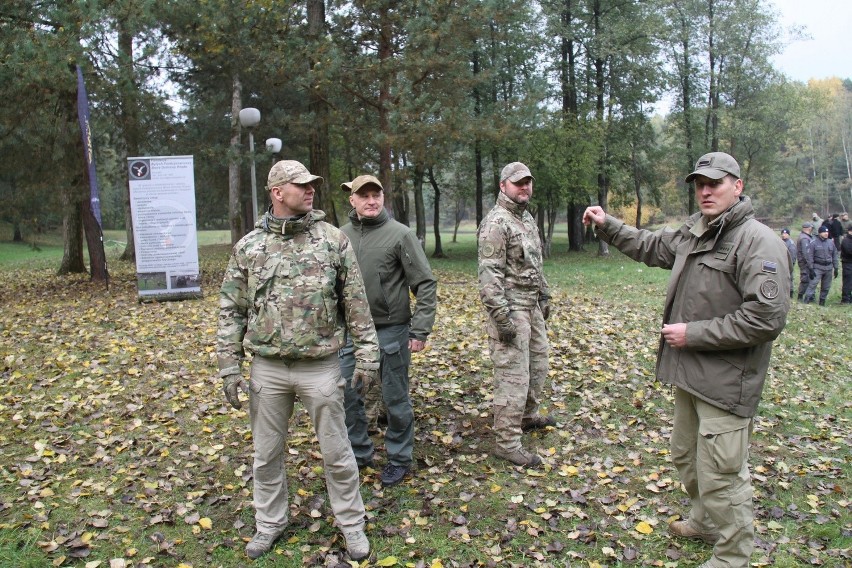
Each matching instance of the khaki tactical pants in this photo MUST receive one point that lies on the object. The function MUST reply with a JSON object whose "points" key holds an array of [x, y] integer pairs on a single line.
{"points": [[710, 450], [274, 386], [520, 369]]}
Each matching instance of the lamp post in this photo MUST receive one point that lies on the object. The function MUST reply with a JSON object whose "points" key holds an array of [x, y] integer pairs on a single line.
{"points": [[249, 118], [273, 146]]}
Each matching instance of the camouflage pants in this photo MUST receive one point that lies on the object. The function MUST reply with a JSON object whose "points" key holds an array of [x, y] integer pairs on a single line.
{"points": [[520, 369], [710, 450]]}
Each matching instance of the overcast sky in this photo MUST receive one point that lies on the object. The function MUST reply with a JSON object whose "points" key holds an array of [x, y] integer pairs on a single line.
{"points": [[829, 52]]}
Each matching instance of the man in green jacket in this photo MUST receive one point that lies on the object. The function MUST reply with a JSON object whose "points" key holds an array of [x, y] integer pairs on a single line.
{"points": [[727, 301], [394, 265]]}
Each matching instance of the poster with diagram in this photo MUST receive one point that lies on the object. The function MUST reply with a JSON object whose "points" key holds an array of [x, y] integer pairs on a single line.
{"points": [[162, 203]]}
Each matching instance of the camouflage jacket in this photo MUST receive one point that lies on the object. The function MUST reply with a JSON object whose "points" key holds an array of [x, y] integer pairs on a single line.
{"points": [[510, 260], [290, 288]]}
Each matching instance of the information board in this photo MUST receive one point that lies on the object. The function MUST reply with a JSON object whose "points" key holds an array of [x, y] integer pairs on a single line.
{"points": [[162, 203]]}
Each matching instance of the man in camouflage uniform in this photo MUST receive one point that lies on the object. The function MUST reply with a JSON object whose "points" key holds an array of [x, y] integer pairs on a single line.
{"points": [[516, 296], [291, 290]]}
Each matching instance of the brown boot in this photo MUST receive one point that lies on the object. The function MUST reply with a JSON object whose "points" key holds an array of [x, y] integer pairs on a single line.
{"points": [[518, 457], [685, 529], [537, 422]]}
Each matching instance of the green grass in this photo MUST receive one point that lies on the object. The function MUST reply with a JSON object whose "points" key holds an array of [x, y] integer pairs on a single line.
{"points": [[112, 410]]}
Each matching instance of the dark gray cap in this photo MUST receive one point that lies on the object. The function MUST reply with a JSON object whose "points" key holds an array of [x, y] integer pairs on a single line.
{"points": [[715, 165]]}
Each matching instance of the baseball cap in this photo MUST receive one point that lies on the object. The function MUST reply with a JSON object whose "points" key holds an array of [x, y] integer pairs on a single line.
{"points": [[515, 172], [823, 229], [785, 231], [715, 165], [807, 225], [359, 182], [290, 171]]}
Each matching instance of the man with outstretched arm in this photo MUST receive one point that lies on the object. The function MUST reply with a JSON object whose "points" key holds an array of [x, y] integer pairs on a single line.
{"points": [[727, 301]]}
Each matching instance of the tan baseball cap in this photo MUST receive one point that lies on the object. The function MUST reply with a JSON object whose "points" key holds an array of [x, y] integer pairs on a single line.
{"points": [[359, 182], [715, 165], [290, 171], [515, 172]]}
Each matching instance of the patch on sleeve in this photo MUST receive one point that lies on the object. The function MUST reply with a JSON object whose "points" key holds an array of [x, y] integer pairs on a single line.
{"points": [[769, 289], [488, 250], [770, 267]]}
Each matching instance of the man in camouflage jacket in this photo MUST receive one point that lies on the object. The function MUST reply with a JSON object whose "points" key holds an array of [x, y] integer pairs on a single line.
{"points": [[516, 296], [291, 290]]}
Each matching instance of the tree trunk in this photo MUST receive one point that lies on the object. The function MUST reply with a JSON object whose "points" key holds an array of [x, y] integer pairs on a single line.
{"points": [[477, 144], [235, 208], [436, 213], [129, 127], [419, 206], [95, 244], [72, 228], [576, 229], [320, 162]]}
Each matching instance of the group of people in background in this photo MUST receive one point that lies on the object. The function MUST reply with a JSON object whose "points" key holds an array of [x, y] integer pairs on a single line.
{"points": [[820, 258], [326, 315]]}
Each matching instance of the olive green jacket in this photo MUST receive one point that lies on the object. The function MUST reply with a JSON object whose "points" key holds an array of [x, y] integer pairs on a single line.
{"points": [[730, 284], [392, 263]]}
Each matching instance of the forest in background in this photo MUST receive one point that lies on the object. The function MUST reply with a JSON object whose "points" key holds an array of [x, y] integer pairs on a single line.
{"points": [[607, 101]]}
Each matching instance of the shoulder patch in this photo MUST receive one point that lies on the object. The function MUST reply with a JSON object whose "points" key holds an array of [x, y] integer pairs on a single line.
{"points": [[488, 250], [770, 267], [769, 289]]}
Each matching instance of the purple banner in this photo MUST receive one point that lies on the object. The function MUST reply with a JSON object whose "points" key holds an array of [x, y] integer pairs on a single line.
{"points": [[88, 148]]}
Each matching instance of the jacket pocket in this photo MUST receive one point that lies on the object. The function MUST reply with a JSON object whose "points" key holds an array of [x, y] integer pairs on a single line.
{"points": [[726, 440]]}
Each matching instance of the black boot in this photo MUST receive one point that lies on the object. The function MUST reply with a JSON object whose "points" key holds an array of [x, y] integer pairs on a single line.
{"points": [[822, 302]]}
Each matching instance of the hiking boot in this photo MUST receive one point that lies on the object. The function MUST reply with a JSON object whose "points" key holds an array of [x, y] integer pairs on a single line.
{"points": [[366, 464], [686, 530], [357, 544], [822, 302], [393, 474], [537, 422], [261, 543], [518, 457]]}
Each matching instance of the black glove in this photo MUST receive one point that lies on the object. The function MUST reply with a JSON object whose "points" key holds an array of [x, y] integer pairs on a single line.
{"points": [[506, 330], [812, 274], [363, 379], [544, 306], [230, 387]]}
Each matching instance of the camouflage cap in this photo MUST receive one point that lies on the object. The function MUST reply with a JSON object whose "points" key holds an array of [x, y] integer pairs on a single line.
{"points": [[290, 171], [715, 165], [515, 172], [359, 182]]}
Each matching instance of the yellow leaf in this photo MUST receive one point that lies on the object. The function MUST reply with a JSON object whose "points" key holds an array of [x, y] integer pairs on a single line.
{"points": [[644, 528], [206, 523], [437, 563], [387, 561], [496, 488]]}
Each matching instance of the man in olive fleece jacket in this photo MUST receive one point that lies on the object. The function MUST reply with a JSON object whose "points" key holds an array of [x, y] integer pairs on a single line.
{"points": [[727, 301], [393, 264]]}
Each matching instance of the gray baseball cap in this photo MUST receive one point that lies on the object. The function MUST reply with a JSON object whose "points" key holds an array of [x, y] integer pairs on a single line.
{"points": [[807, 225], [715, 165], [515, 172], [290, 171]]}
